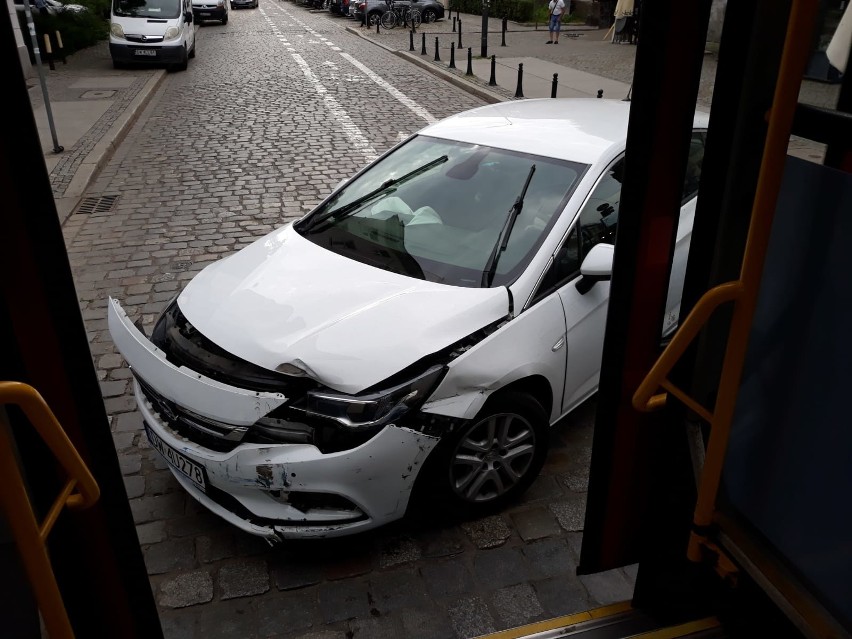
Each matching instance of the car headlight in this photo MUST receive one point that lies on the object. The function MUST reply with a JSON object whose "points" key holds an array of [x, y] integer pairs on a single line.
{"points": [[374, 409], [116, 30], [171, 33]]}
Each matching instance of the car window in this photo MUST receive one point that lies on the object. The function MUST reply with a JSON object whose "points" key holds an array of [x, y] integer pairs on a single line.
{"points": [[596, 224], [434, 209]]}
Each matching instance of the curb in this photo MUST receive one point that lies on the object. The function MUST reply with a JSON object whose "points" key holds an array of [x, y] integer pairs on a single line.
{"points": [[459, 81], [105, 147]]}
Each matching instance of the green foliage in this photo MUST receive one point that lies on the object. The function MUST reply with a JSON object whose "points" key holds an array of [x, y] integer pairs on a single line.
{"points": [[77, 29], [515, 10]]}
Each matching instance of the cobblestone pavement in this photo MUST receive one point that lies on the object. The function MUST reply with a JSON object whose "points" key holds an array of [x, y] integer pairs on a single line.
{"points": [[277, 107]]}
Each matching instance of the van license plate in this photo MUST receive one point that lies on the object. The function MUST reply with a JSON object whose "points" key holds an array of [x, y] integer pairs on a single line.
{"points": [[182, 463], [149, 52]]}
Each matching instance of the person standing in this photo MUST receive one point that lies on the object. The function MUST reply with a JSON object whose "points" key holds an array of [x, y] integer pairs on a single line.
{"points": [[557, 10]]}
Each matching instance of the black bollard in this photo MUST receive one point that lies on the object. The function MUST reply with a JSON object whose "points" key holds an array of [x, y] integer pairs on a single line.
{"points": [[405, 19], [454, 24], [600, 93], [413, 27], [411, 39], [519, 92], [378, 22], [503, 42], [48, 50], [469, 61], [492, 82], [553, 86], [423, 45], [437, 57], [452, 64], [460, 44]]}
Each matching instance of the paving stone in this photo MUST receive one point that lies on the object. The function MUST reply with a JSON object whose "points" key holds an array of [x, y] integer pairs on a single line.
{"points": [[186, 589], [445, 542], [243, 579], [342, 600], [608, 587], [113, 389], [575, 543], [349, 567], [323, 634], [397, 589], [134, 486], [290, 574], [286, 613], [426, 622], [376, 628], [489, 532], [550, 558], [123, 441], [169, 555], [470, 617], [128, 422], [151, 533], [500, 567], [535, 523], [203, 523], [161, 482], [130, 464], [398, 550], [562, 595], [153, 508], [516, 605], [576, 480], [179, 624], [448, 578], [229, 619], [214, 547], [571, 513]]}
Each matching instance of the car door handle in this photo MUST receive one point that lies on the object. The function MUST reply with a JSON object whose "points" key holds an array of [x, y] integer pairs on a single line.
{"points": [[559, 344]]}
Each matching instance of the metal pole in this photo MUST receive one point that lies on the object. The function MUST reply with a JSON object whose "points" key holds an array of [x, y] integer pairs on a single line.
{"points": [[454, 23], [452, 64], [503, 42], [411, 39], [437, 56], [469, 61], [37, 52], [553, 86], [600, 93], [519, 92], [484, 37], [423, 44], [492, 82], [460, 44]]}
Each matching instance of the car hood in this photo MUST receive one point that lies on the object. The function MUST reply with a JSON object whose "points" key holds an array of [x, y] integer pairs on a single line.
{"points": [[283, 301]]}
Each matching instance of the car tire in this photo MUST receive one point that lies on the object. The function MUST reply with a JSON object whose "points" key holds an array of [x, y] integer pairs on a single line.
{"points": [[429, 15], [494, 458], [192, 50], [373, 18], [225, 19], [183, 64]]}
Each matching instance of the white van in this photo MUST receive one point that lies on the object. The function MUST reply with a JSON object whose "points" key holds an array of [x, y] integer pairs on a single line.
{"points": [[151, 31]]}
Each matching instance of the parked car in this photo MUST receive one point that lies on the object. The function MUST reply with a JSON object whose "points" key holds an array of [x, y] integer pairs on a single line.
{"points": [[52, 6], [216, 10], [142, 32], [430, 10], [423, 326], [245, 4]]}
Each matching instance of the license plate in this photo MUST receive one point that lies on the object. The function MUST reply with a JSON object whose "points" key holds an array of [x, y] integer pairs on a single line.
{"points": [[146, 52], [179, 462], [205, 14]]}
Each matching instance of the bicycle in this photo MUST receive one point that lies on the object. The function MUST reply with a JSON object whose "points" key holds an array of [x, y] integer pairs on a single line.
{"points": [[400, 14]]}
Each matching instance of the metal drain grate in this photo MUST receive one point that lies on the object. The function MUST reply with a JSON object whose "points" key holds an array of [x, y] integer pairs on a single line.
{"points": [[102, 204]]}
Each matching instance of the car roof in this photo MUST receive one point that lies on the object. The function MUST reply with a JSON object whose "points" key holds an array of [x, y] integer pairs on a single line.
{"points": [[576, 129]]}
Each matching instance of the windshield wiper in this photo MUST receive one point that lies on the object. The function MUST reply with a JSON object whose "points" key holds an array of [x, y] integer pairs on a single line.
{"points": [[503, 239], [384, 188]]}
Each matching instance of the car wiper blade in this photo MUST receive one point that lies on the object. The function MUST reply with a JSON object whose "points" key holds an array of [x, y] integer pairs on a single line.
{"points": [[384, 188], [503, 239]]}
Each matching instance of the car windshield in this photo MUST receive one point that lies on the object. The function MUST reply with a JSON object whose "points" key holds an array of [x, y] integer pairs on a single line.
{"points": [[433, 209], [147, 8]]}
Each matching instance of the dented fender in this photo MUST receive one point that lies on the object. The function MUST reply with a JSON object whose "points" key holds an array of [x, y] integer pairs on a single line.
{"points": [[532, 344]]}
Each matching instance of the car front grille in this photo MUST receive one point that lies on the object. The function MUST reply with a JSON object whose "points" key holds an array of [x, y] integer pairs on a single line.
{"points": [[131, 37], [215, 436]]}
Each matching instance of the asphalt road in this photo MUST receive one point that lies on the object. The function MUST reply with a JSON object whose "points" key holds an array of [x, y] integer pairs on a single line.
{"points": [[278, 106]]}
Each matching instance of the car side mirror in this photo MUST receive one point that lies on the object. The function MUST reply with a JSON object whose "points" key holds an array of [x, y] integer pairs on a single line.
{"points": [[596, 267]]}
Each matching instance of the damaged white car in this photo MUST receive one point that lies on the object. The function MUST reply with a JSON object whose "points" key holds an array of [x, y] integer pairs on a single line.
{"points": [[427, 322]]}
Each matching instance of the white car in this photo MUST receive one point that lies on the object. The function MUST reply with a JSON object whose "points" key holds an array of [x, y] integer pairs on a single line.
{"points": [[427, 323]]}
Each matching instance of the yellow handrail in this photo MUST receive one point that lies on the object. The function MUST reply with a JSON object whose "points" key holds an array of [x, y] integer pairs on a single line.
{"points": [[80, 491], [743, 292]]}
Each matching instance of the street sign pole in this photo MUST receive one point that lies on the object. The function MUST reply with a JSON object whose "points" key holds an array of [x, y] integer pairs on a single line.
{"points": [[485, 6], [37, 53]]}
